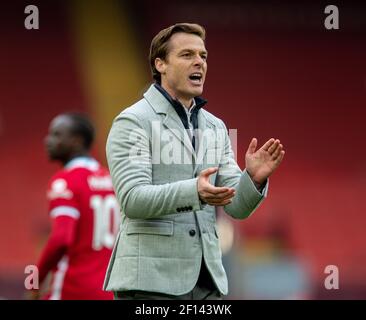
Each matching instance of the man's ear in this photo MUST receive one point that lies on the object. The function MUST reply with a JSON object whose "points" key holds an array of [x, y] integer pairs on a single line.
{"points": [[78, 142], [160, 65]]}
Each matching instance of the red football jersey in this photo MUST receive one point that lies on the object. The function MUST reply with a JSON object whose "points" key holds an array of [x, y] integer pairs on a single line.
{"points": [[82, 194]]}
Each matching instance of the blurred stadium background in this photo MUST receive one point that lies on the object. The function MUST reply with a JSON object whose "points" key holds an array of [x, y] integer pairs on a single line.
{"points": [[274, 70]]}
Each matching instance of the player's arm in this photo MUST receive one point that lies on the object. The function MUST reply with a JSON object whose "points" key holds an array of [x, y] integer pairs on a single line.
{"points": [[64, 217], [61, 237]]}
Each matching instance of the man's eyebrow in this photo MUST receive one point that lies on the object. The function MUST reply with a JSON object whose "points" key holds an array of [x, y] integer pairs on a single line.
{"points": [[192, 51]]}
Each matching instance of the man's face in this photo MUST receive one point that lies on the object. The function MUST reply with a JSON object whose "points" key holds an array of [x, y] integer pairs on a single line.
{"points": [[183, 72], [60, 141]]}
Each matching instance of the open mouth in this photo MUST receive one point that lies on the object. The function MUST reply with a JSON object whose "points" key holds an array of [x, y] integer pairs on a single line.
{"points": [[196, 77]]}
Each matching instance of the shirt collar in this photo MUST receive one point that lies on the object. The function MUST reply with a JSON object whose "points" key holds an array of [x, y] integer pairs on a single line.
{"points": [[198, 102], [82, 162]]}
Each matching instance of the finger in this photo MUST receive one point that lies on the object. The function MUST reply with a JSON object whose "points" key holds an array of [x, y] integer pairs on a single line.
{"points": [[276, 152], [279, 159], [252, 146], [224, 203], [268, 144], [224, 195], [209, 188], [220, 203], [207, 191], [273, 147], [227, 202], [207, 172], [220, 196], [216, 199]]}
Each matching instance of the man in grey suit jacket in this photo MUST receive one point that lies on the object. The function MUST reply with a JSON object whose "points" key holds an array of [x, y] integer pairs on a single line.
{"points": [[171, 164]]}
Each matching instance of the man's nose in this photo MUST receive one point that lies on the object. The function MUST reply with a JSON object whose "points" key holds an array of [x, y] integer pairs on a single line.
{"points": [[199, 60]]}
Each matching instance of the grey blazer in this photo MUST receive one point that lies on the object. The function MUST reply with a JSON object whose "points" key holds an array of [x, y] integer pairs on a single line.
{"points": [[166, 232]]}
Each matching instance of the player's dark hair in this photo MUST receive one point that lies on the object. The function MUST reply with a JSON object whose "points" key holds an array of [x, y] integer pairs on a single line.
{"points": [[159, 45], [83, 127]]}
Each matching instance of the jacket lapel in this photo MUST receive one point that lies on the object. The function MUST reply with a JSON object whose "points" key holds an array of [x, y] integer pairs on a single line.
{"points": [[206, 132], [171, 120]]}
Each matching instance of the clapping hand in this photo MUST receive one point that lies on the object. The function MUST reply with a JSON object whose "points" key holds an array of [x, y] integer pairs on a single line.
{"points": [[262, 163]]}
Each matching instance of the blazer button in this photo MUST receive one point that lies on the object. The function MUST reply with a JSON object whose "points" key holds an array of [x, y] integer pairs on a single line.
{"points": [[192, 233]]}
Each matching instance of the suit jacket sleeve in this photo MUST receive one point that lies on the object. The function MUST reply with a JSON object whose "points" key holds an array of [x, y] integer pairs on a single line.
{"points": [[129, 160], [247, 197]]}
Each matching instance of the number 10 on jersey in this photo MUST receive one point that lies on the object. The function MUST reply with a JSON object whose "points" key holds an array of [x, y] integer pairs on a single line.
{"points": [[106, 221]]}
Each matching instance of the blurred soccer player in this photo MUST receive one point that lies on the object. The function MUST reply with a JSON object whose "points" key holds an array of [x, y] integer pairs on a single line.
{"points": [[83, 211]]}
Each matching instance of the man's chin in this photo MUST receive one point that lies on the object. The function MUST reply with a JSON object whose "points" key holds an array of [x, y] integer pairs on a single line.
{"points": [[197, 91]]}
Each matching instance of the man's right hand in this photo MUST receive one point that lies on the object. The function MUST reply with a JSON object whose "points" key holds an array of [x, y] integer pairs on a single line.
{"points": [[208, 193]]}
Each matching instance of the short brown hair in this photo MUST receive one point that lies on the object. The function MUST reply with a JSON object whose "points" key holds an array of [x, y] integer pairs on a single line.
{"points": [[159, 45]]}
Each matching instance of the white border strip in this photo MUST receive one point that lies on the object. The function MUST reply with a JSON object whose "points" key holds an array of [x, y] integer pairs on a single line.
{"points": [[65, 211]]}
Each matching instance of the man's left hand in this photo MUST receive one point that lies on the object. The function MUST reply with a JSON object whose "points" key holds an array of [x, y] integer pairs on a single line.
{"points": [[262, 163]]}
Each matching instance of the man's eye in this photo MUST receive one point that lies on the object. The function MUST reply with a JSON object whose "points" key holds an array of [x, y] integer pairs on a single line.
{"points": [[204, 57]]}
